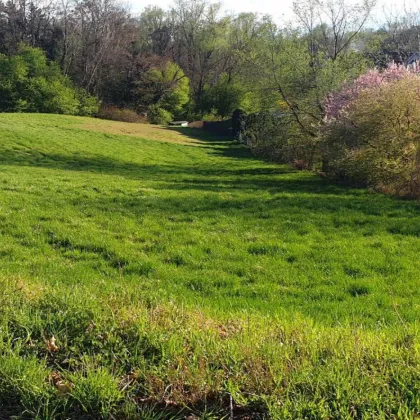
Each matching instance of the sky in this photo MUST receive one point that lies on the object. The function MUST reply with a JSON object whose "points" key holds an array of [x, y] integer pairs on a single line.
{"points": [[276, 8], [281, 10]]}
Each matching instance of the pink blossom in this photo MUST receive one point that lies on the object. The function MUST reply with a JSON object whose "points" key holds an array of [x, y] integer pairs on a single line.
{"points": [[337, 103]]}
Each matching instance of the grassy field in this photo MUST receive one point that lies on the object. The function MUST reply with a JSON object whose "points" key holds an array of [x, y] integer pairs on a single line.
{"points": [[158, 274]]}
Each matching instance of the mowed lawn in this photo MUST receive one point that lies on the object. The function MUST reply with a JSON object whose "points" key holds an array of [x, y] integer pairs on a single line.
{"points": [[153, 273]]}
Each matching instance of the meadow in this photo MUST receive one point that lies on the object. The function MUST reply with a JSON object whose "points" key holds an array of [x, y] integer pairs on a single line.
{"points": [[151, 273]]}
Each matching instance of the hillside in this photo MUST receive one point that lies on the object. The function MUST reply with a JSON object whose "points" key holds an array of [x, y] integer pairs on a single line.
{"points": [[153, 273]]}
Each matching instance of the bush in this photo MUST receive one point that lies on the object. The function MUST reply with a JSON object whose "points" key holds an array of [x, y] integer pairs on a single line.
{"points": [[157, 115], [114, 113], [264, 134], [212, 116], [276, 136], [88, 104], [227, 94], [29, 83], [372, 132]]}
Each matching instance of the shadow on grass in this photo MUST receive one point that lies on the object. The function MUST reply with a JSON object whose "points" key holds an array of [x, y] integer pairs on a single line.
{"points": [[215, 142], [308, 192], [360, 212], [187, 177], [200, 134]]}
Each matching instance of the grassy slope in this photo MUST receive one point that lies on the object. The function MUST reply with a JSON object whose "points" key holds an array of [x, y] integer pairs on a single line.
{"points": [[182, 272]]}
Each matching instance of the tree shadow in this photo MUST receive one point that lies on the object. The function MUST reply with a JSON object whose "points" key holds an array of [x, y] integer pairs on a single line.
{"points": [[365, 215], [222, 146], [187, 177], [306, 191], [201, 135]]}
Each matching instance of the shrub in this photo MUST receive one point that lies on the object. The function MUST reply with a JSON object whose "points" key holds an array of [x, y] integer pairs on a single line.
{"points": [[372, 132], [263, 130], [212, 116], [276, 136], [337, 103], [158, 115], [109, 112], [29, 83], [88, 104]]}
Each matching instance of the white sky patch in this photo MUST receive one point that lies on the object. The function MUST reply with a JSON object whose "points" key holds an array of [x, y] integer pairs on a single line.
{"points": [[281, 10]]}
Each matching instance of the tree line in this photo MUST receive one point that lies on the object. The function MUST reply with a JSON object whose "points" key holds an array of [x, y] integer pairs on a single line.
{"points": [[215, 62], [194, 62]]}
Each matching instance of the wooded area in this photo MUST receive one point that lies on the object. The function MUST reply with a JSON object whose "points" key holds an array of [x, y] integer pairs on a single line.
{"points": [[194, 61]]}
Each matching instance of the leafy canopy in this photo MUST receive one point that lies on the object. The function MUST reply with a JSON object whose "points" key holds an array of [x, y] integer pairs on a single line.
{"points": [[29, 83], [166, 86]]}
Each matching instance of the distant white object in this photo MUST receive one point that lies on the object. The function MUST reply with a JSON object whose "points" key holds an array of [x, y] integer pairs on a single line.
{"points": [[179, 123], [414, 59]]}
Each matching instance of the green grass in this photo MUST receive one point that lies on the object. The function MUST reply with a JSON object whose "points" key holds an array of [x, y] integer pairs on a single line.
{"points": [[188, 278]]}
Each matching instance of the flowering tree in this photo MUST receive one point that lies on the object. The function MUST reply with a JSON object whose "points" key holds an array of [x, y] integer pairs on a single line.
{"points": [[372, 131], [337, 103]]}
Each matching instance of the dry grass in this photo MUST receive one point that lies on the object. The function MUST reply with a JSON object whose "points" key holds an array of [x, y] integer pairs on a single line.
{"points": [[144, 131]]}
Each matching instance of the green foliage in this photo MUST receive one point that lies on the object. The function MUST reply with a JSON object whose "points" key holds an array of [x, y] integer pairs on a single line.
{"points": [[178, 95], [50, 96], [158, 115], [166, 87], [177, 273], [266, 134], [29, 83], [88, 104], [13, 73], [303, 82], [223, 98], [229, 94], [293, 81], [376, 142], [211, 116], [276, 136], [373, 45]]}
